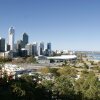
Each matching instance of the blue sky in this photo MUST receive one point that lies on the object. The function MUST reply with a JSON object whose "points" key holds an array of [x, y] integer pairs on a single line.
{"points": [[67, 24]]}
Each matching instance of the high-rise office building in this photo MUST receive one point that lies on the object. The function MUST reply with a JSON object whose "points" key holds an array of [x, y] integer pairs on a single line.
{"points": [[25, 39], [8, 47], [2, 44], [19, 47], [49, 46], [48, 50], [23, 52], [41, 48], [11, 33], [35, 49], [19, 44], [29, 48]]}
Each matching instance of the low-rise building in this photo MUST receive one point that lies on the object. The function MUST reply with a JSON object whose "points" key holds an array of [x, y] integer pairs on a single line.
{"points": [[62, 58]]}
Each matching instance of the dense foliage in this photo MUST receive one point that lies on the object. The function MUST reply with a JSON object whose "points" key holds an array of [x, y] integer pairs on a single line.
{"points": [[64, 86]]}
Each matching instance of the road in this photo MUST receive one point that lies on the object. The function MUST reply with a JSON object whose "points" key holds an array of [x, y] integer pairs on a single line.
{"points": [[36, 66]]}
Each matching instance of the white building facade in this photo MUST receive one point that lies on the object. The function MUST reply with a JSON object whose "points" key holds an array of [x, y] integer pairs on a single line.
{"points": [[11, 34]]}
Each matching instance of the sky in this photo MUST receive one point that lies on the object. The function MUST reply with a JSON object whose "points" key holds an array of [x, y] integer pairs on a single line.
{"points": [[67, 24]]}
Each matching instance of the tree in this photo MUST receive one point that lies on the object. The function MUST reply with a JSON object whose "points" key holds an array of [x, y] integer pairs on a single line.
{"points": [[64, 87], [54, 71], [45, 70], [87, 87], [86, 66], [68, 71], [84, 73], [17, 89], [30, 59], [48, 84]]}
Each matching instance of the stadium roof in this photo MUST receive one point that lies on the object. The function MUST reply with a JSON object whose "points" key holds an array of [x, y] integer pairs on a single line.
{"points": [[63, 57]]}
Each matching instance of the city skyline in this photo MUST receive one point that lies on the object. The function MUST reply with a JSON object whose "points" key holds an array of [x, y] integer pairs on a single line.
{"points": [[67, 24]]}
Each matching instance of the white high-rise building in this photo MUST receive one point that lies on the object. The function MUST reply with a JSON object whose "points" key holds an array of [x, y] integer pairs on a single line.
{"points": [[11, 33]]}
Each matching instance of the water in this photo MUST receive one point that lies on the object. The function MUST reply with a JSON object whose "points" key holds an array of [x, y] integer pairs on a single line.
{"points": [[94, 56]]}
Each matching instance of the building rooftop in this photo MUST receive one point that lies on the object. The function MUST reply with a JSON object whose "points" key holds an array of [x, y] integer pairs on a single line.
{"points": [[63, 57]]}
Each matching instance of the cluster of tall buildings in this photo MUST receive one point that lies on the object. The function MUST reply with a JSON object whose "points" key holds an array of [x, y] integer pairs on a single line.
{"points": [[22, 47]]}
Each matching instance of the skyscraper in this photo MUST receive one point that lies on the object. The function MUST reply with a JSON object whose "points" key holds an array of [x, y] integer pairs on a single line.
{"points": [[11, 33], [41, 48], [25, 39], [28, 47], [35, 48], [48, 51], [49, 46], [19, 44], [19, 47], [2, 44], [31, 49]]}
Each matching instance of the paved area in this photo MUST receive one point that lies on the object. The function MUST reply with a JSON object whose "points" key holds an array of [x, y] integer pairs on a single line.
{"points": [[36, 66]]}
